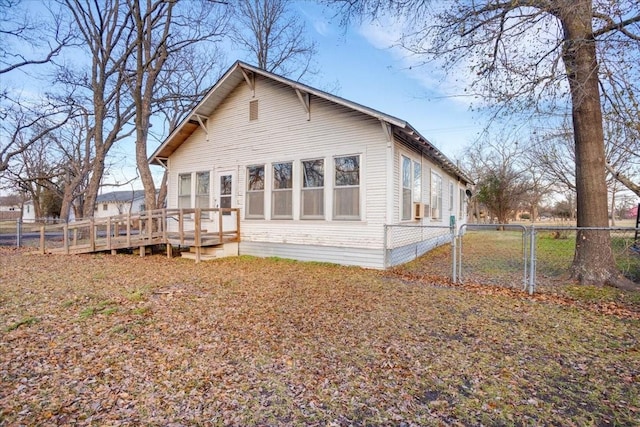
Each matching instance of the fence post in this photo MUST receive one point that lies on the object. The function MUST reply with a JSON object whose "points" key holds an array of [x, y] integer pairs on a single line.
{"points": [[454, 250], [18, 232], [532, 260]]}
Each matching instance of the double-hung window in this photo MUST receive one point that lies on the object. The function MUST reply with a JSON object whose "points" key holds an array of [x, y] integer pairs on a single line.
{"points": [[312, 197], [406, 188], [184, 191], [417, 181], [346, 200], [282, 191], [411, 186], [451, 198], [202, 190], [255, 192], [436, 196]]}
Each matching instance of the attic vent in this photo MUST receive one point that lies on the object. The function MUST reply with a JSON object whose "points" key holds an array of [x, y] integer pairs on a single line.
{"points": [[253, 110]]}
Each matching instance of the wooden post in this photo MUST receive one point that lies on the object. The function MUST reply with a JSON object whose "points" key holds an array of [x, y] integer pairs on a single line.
{"points": [[149, 225], [181, 226], [164, 224], [92, 235], [169, 250], [197, 225], [65, 238], [220, 227], [128, 230], [143, 249], [42, 239], [109, 233], [75, 236]]}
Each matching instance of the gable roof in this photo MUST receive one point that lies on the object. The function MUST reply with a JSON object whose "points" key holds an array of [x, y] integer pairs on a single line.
{"points": [[120, 196], [242, 72]]}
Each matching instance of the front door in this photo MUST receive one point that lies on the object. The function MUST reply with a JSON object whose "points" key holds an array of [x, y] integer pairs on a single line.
{"points": [[225, 190]]}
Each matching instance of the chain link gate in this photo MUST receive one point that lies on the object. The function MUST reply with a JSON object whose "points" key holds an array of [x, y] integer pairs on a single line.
{"points": [[511, 260]]}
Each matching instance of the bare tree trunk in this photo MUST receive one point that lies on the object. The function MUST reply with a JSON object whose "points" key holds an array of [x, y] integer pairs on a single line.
{"points": [[593, 262], [162, 192]]}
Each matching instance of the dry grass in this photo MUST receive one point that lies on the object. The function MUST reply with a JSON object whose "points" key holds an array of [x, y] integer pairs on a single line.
{"points": [[123, 340]]}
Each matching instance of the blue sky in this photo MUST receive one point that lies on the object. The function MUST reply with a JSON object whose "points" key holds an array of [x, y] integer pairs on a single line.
{"points": [[357, 64], [366, 70]]}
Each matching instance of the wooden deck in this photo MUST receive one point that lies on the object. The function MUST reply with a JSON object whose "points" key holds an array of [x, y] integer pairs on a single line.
{"points": [[193, 228]]}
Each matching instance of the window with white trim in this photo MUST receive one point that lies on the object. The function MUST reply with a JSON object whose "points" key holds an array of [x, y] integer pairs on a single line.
{"points": [[462, 208], [202, 190], [436, 196], [184, 191], [451, 198], [282, 191], [417, 181], [312, 193], [406, 188], [346, 191], [255, 192]]}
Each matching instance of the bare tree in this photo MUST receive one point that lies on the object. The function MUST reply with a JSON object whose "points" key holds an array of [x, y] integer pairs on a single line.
{"points": [[27, 41], [106, 29], [163, 30], [531, 54], [274, 37], [23, 125], [502, 183]]}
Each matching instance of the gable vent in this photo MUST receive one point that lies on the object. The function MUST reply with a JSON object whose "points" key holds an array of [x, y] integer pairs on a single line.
{"points": [[253, 110]]}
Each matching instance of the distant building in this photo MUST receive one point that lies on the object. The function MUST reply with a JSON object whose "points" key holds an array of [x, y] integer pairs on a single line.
{"points": [[119, 203], [9, 208]]}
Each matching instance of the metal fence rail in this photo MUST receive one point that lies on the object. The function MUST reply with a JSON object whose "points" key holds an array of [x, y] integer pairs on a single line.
{"points": [[507, 255], [404, 243]]}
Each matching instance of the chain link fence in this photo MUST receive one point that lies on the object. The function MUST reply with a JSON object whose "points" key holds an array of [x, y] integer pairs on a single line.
{"points": [[555, 249], [509, 255], [23, 233], [404, 243]]}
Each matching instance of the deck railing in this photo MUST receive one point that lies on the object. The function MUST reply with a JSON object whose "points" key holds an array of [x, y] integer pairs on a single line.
{"points": [[184, 227]]}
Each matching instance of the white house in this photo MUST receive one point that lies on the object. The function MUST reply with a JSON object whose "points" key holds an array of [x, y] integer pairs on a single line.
{"points": [[315, 176], [119, 203]]}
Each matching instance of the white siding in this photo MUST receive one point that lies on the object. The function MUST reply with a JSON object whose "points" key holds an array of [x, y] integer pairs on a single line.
{"points": [[283, 133]]}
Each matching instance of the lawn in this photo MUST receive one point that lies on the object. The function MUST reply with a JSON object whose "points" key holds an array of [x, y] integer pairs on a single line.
{"points": [[124, 340]]}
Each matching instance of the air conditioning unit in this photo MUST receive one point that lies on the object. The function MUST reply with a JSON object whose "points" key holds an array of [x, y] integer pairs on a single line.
{"points": [[418, 210]]}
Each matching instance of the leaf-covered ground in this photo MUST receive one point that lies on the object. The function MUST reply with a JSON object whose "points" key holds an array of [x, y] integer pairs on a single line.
{"points": [[124, 340]]}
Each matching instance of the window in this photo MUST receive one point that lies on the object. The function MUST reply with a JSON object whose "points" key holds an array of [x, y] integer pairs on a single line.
{"points": [[281, 194], [253, 110], [184, 191], [436, 196], [346, 203], [225, 192], [202, 191], [255, 192], [406, 188], [312, 189], [105, 207], [451, 197], [417, 182], [462, 208]]}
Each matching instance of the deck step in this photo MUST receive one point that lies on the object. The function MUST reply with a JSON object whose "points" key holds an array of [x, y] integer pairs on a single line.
{"points": [[203, 257]]}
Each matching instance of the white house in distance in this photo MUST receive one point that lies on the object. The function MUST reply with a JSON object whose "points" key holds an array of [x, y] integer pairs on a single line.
{"points": [[119, 203], [316, 177]]}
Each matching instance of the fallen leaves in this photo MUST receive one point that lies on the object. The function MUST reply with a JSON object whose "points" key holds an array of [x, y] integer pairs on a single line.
{"points": [[129, 340]]}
